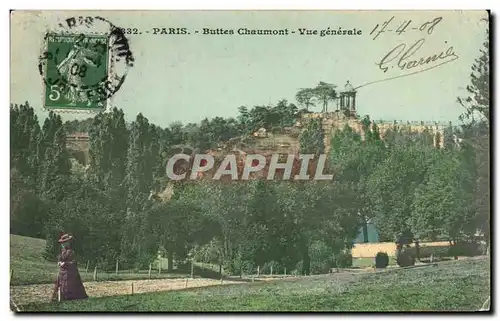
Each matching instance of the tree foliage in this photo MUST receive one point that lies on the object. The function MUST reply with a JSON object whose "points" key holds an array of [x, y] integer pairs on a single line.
{"points": [[478, 100]]}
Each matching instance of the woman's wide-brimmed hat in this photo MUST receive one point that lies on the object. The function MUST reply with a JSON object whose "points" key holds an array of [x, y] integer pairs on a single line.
{"points": [[65, 238]]}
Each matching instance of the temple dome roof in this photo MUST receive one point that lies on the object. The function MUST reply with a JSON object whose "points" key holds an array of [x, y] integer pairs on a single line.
{"points": [[348, 87]]}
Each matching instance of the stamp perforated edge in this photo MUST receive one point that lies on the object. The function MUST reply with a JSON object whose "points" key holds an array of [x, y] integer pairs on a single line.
{"points": [[108, 102]]}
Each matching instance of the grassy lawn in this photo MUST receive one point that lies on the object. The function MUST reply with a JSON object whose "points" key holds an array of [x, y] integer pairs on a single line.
{"points": [[451, 286], [29, 266], [27, 262]]}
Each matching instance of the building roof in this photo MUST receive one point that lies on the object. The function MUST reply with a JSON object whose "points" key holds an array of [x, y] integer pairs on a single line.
{"points": [[348, 87]]}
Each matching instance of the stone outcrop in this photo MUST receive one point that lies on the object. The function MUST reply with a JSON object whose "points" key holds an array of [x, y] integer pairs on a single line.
{"points": [[337, 120]]}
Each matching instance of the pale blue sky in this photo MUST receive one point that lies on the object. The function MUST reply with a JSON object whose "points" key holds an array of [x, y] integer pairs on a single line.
{"points": [[190, 77]]}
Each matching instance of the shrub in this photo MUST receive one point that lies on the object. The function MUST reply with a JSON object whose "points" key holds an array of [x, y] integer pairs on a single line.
{"points": [[465, 249], [381, 260], [437, 251], [427, 250], [343, 260], [405, 258], [238, 266]]}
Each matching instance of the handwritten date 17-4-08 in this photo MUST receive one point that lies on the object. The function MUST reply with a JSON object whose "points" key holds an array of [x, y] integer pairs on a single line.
{"points": [[406, 25], [403, 57]]}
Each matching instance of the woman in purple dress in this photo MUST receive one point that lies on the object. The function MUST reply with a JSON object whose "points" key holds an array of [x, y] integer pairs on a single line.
{"points": [[68, 281]]}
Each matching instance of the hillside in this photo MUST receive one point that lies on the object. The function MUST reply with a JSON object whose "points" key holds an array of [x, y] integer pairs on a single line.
{"points": [[30, 267], [27, 261]]}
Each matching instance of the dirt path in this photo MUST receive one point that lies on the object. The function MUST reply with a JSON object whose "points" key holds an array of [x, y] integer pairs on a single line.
{"points": [[38, 293]]}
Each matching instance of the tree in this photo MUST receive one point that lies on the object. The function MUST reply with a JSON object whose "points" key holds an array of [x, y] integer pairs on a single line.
{"points": [[285, 114], [477, 133], [315, 211], [306, 98], [325, 93], [138, 182], [24, 142], [139, 172], [259, 118], [109, 137], [175, 225], [444, 203], [75, 126], [176, 133], [353, 160], [478, 101], [243, 119], [391, 187], [55, 167], [90, 216], [28, 212]]}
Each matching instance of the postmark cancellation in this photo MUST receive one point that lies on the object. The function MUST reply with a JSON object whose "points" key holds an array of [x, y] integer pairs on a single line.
{"points": [[83, 64]]}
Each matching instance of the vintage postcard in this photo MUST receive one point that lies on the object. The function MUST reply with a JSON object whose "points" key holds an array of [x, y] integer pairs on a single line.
{"points": [[250, 161]]}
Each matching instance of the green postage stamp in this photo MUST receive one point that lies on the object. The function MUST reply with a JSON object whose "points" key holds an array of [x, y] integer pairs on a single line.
{"points": [[74, 74], [83, 64]]}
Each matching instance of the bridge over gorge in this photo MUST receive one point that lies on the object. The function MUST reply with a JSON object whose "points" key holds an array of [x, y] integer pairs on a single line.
{"points": [[78, 146]]}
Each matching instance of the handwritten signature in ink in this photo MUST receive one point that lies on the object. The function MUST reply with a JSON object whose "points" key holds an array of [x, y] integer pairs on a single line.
{"points": [[403, 57]]}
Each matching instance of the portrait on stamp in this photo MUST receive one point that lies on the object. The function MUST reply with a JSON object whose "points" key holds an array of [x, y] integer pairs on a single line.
{"points": [[79, 64]]}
